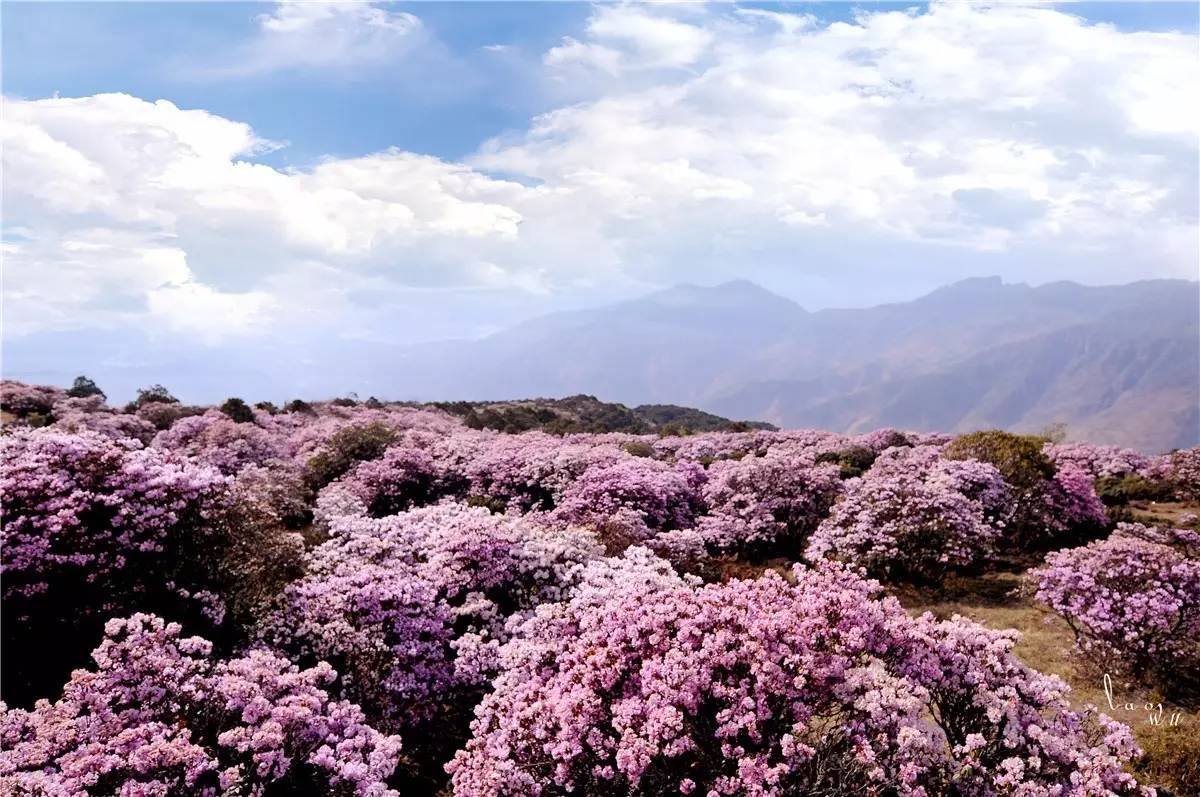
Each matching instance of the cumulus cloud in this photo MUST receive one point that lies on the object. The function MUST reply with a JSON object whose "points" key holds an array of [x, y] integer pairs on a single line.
{"points": [[977, 126], [312, 34], [707, 142], [115, 205]]}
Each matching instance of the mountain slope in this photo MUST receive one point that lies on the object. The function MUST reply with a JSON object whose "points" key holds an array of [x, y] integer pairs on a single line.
{"points": [[1114, 364]]}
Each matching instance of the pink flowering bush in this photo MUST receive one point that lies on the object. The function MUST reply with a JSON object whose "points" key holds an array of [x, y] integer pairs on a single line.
{"points": [[91, 414], [160, 716], [760, 501], [214, 439], [647, 684], [914, 515], [1049, 505], [95, 526], [531, 470], [1132, 601], [24, 400], [412, 606], [1182, 469], [1097, 461], [655, 495], [404, 477]]}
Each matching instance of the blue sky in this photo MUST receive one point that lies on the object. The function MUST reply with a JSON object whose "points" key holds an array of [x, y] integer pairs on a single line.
{"points": [[153, 50], [220, 175]]}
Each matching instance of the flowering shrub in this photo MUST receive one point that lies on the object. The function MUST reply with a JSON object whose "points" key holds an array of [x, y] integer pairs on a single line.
{"points": [[160, 716], [657, 495], [383, 630], [215, 439], [1132, 600], [24, 400], [404, 477], [162, 414], [348, 446], [914, 515], [653, 686], [765, 500], [1097, 461], [389, 601], [1049, 505], [1182, 469], [92, 527], [91, 414], [531, 470]]}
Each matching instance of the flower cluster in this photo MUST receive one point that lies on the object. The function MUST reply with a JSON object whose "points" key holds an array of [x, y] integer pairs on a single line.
{"points": [[23, 400], [913, 514], [766, 499], [391, 601], [1097, 461], [94, 527], [216, 440], [647, 684], [161, 716], [1132, 600]]}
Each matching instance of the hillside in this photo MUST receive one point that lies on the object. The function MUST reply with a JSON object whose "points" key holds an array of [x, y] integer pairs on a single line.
{"points": [[1114, 364], [577, 414]]}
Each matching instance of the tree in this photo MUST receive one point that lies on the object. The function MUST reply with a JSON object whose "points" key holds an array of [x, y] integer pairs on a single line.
{"points": [[83, 387], [155, 394], [238, 410]]}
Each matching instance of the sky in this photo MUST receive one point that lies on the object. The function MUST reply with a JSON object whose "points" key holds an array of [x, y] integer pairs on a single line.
{"points": [[258, 176]]}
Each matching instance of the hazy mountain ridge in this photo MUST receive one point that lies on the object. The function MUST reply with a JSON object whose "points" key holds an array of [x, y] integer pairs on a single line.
{"points": [[1115, 364]]}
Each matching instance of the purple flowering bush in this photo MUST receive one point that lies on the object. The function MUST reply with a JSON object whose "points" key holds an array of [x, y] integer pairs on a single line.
{"points": [[160, 716], [95, 527], [1132, 601], [914, 515], [760, 501], [214, 439], [275, 592], [404, 477], [1097, 461], [654, 496], [651, 685]]}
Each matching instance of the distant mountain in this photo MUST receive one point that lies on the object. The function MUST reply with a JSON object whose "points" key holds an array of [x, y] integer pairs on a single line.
{"points": [[1114, 364]]}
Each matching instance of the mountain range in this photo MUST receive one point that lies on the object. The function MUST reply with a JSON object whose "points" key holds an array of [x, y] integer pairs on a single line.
{"points": [[1108, 364], [1111, 364]]}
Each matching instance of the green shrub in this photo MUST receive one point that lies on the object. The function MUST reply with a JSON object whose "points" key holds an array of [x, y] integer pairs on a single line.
{"points": [[1019, 458], [1120, 490], [296, 405], [348, 446], [155, 394], [238, 411], [638, 448], [266, 407], [852, 461]]}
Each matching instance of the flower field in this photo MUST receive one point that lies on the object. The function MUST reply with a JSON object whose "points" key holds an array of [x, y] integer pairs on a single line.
{"points": [[375, 599]]}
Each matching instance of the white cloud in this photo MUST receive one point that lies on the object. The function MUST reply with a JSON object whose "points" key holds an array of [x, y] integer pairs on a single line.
{"points": [[630, 38], [897, 146], [311, 34], [981, 127], [124, 207]]}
